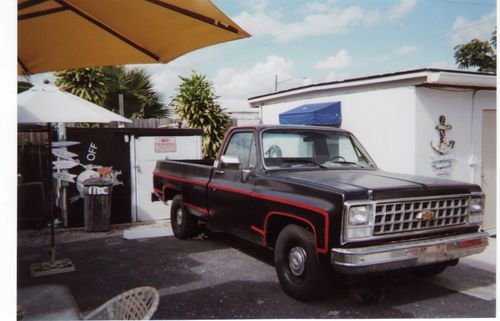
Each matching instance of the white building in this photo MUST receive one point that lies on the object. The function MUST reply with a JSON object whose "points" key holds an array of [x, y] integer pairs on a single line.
{"points": [[395, 117], [245, 118], [239, 111]]}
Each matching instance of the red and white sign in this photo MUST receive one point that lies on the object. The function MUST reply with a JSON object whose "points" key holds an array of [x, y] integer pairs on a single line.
{"points": [[165, 144]]}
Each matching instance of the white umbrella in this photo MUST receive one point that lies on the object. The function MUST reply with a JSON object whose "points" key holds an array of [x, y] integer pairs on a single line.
{"points": [[49, 104]]}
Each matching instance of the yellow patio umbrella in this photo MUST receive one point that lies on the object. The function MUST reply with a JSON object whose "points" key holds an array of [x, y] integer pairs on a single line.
{"points": [[62, 34]]}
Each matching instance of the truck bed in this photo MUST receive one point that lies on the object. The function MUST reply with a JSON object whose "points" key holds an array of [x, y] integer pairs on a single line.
{"points": [[189, 177]]}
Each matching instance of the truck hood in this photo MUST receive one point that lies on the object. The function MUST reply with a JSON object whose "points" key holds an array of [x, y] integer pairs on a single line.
{"points": [[377, 184]]}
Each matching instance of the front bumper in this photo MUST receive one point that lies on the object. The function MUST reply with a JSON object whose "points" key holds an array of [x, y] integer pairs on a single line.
{"points": [[407, 254]]}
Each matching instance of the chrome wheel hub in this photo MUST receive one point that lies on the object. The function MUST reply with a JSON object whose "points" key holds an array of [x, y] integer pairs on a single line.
{"points": [[178, 217], [297, 260]]}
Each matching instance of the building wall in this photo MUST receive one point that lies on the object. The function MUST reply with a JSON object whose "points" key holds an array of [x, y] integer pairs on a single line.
{"points": [[464, 116], [382, 120], [245, 118]]}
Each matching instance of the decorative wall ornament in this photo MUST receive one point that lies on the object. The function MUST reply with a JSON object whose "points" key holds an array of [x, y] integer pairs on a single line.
{"points": [[442, 163], [444, 145], [66, 160]]}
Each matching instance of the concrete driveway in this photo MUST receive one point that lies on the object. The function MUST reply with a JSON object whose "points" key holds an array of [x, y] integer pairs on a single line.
{"points": [[222, 277]]}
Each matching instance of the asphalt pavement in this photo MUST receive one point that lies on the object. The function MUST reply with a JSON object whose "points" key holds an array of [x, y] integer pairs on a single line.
{"points": [[222, 277]]}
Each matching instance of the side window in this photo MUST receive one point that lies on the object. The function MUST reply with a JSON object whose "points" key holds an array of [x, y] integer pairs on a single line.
{"points": [[243, 145]]}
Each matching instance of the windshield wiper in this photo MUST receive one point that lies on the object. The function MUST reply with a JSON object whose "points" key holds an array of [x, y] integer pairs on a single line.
{"points": [[348, 163], [307, 162]]}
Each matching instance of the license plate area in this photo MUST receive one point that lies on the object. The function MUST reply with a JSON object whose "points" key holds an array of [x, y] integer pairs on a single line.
{"points": [[430, 254]]}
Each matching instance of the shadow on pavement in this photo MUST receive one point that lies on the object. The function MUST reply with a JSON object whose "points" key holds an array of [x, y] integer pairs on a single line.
{"points": [[225, 277], [107, 267]]}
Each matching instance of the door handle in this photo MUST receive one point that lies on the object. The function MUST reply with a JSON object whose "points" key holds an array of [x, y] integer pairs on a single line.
{"points": [[218, 172]]}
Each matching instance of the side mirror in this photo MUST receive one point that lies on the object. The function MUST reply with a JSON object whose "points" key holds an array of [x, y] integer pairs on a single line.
{"points": [[245, 174], [230, 162]]}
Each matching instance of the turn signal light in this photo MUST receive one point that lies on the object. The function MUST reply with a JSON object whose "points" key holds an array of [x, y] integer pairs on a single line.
{"points": [[470, 243]]}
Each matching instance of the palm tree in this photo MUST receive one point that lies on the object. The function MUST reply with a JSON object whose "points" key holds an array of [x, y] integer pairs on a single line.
{"points": [[87, 83], [139, 97], [103, 86], [195, 102]]}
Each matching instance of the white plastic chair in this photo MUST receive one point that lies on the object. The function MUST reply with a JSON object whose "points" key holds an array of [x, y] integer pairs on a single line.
{"points": [[136, 304]]}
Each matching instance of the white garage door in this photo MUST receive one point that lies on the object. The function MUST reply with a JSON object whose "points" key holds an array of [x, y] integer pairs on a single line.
{"points": [[488, 169]]}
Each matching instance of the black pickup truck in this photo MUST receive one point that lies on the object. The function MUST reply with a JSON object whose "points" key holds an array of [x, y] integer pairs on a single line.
{"points": [[315, 196]]}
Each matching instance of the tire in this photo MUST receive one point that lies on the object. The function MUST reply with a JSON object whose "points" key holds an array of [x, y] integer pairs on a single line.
{"points": [[306, 281], [429, 270], [184, 224]]}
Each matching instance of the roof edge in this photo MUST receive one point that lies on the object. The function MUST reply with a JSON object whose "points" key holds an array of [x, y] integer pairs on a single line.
{"points": [[393, 74]]}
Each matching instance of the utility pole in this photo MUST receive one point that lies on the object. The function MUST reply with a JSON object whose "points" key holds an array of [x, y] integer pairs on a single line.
{"points": [[276, 82]]}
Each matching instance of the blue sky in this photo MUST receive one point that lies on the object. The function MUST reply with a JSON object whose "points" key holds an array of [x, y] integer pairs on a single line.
{"points": [[307, 42]]}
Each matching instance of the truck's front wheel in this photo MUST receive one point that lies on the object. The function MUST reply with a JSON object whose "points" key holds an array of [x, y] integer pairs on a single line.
{"points": [[184, 224], [299, 270]]}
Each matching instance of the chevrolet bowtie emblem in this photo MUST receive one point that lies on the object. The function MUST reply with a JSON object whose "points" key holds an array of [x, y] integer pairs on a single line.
{"points": [[425, 215]]}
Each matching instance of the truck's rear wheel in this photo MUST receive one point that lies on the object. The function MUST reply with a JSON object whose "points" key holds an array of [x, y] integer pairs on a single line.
{"points": [[184, 224], [299, 270]]}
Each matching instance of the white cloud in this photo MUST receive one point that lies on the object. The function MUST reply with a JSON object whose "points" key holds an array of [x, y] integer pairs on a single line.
{"points": [[257, 5], [341, 60], [464, 30], [317, 6], [405, 50], [165, 77], [443, 65], [336, 76], [326, 18], [392, 14], [165, 82], [258, 79], [384, 58], [336, 66], [320, 6], [399, 11]]}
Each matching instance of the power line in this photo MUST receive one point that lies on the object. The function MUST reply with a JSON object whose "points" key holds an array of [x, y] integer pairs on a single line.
{"points": [[257, 44], [250, 49], [224, 58]]}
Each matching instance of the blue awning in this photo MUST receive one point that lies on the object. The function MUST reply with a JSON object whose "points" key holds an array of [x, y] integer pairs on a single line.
{"points": [[323, 114]]}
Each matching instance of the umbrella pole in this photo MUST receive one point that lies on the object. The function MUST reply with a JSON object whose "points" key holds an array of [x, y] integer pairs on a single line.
{"points": [[53, 266], [52, 202], [61, 136]]}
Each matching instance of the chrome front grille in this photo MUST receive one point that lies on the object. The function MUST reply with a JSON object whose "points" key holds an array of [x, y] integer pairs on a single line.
{"points": [[415, 215]]}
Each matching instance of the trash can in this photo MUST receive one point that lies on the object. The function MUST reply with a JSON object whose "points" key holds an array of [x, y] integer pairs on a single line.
{"points": [[97, 194]]}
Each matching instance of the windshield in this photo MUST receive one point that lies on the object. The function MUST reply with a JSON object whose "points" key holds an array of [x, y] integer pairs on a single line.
{"points": [[292, 148]]}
